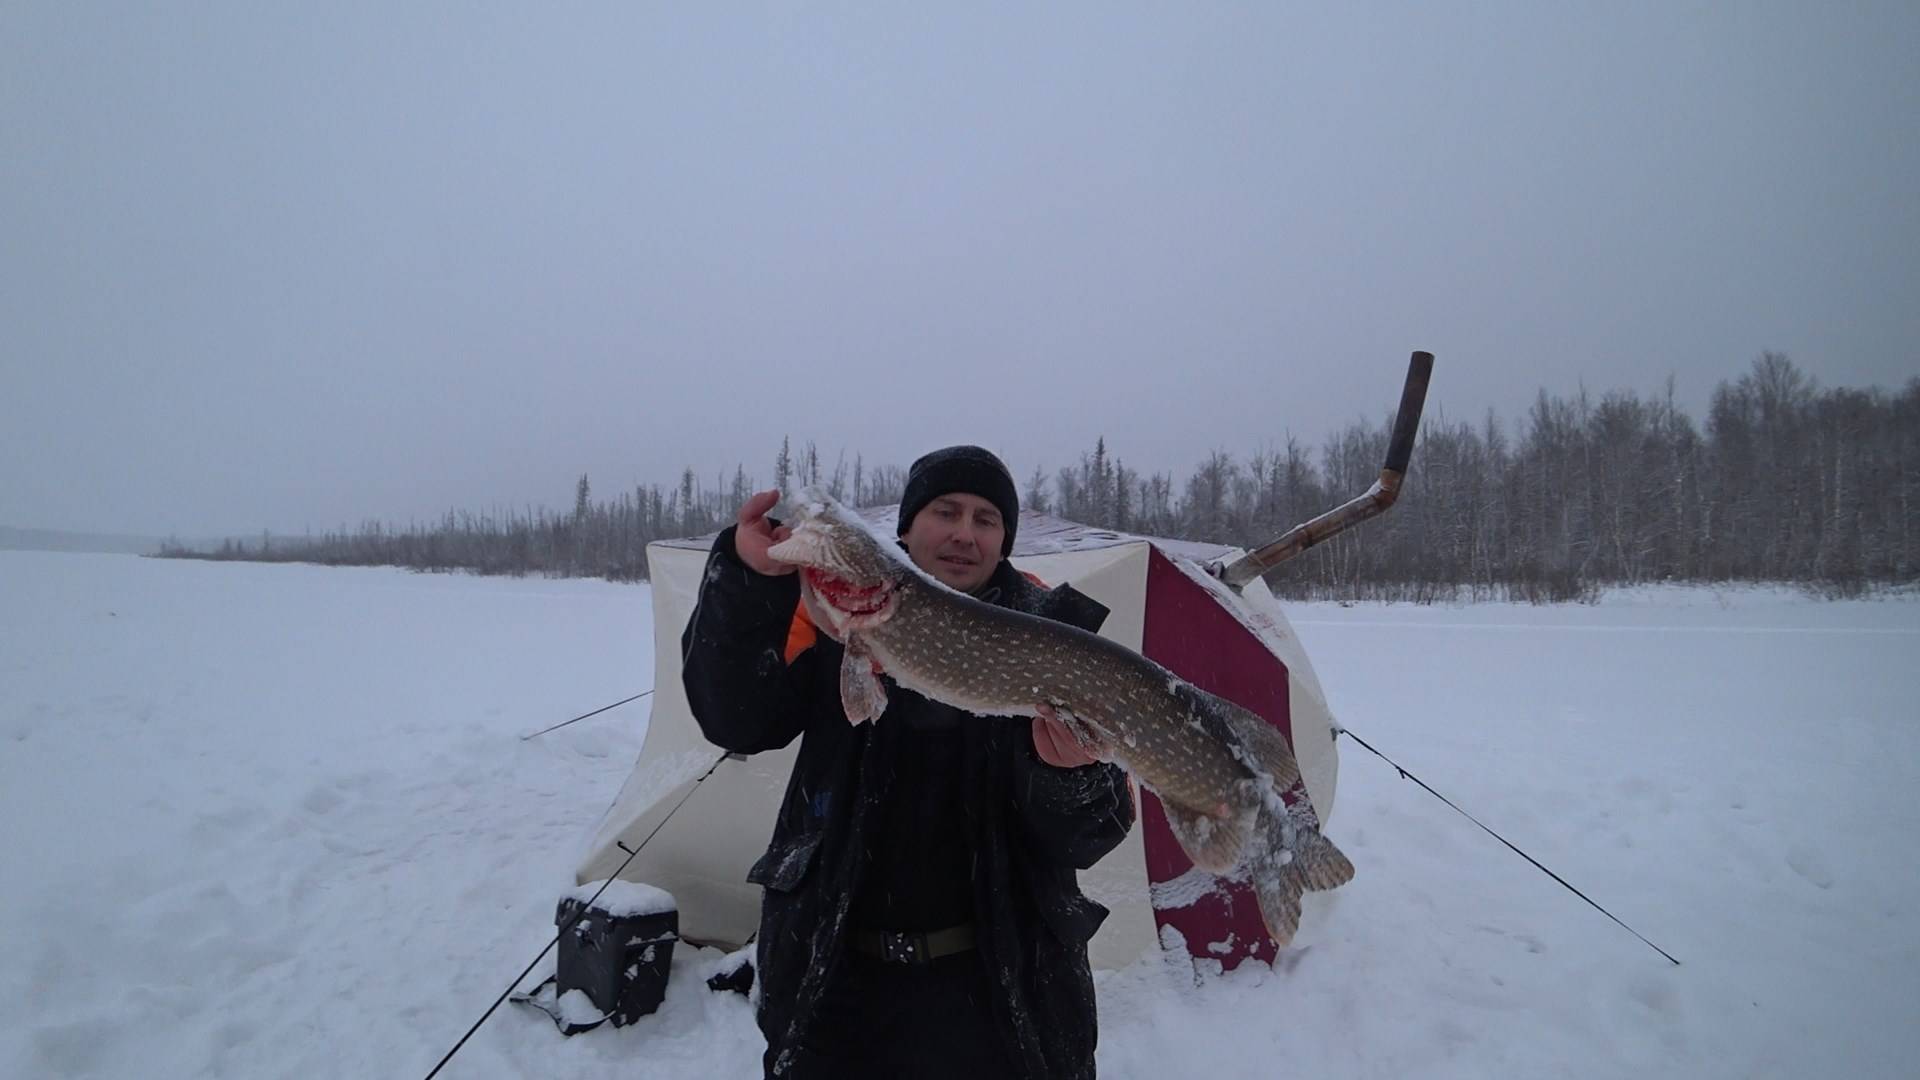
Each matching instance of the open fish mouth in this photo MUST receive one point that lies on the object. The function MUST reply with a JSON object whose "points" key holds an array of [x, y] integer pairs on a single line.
{"points": [[846, 598]]}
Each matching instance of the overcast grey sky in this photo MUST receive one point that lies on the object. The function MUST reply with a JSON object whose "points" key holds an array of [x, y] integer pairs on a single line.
{"points": [[276, 265]]}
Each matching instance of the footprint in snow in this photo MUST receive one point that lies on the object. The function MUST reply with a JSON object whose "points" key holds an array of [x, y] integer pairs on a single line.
{"points": [[223, 825], [1656, 998], [1534, 945], [1810, 865], [322, 800], [69, 1048]]}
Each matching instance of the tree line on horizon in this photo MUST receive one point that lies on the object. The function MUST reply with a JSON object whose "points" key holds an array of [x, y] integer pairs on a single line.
{"points": [[1784, 481]]}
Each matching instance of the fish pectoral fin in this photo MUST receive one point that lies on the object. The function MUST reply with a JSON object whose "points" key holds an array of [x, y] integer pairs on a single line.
{"points": [[861, 693], [1082, 732], [1215, 844]]}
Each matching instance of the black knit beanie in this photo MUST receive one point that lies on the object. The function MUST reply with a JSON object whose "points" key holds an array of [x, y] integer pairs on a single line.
{"points": [[961, 468]]}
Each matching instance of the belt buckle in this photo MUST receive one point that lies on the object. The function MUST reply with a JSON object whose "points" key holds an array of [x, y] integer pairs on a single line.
{"points": [[903, 947]]}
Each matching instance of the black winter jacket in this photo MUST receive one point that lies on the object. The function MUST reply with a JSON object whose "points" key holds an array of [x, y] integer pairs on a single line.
{"points": [[1038, 825]]}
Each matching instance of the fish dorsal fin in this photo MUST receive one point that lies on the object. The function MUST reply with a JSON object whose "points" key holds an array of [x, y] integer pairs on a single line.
{"points": [[1266, 748], [1215, 844], [1246, 735], [861, 693]]}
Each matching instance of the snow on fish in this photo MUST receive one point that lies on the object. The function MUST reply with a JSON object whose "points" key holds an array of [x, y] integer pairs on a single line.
{"points": [[1219, 769]]}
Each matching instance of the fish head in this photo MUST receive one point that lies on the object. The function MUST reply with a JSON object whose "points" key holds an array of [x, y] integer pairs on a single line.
{"points": [[849, 573]]}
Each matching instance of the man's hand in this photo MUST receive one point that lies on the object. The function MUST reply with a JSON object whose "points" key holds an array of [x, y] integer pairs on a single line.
{"points": [[1056, 743], [756, 534]]}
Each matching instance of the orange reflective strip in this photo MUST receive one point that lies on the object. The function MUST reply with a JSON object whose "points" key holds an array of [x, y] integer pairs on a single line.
{"points": [[800, 634]]}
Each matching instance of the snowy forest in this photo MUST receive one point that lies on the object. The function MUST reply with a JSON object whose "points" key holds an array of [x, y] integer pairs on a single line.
{"points": [[1783, 481]]}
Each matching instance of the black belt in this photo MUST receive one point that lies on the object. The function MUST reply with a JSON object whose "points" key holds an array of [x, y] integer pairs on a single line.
{"points": [[911, 946]]}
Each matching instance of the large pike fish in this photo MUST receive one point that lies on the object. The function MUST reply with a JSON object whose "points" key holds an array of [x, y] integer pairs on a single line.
{"points": [[1218, 769]]}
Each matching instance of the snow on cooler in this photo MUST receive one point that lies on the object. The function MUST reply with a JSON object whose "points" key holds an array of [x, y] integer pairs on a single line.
{"points": [[278, 821], [622, 898]]}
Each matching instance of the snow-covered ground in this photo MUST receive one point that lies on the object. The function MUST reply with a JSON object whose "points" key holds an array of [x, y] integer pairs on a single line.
{"points": [[277, 821]]}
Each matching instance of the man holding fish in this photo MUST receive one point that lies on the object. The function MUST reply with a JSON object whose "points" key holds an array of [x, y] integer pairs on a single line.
{"points": [[921, 914]]}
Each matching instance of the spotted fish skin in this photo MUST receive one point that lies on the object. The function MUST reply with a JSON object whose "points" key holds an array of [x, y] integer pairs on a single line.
{"points": [[1218, 769]]}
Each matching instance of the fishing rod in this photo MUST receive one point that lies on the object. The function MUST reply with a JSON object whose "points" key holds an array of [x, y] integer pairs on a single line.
{"points": [[632, 853], [1542, 867], [1374, 502]]}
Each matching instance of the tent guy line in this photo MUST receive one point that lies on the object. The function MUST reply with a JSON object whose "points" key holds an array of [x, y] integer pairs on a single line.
{"points": [[583, 716], [577, 915], [1405, 775]]}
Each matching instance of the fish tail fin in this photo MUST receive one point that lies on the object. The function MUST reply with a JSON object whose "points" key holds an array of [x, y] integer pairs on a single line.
{"points": [[1318, 864], [1279, 894], [1297, 860]]}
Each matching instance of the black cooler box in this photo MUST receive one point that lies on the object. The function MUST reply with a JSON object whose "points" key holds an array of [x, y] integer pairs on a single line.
{"points": [[620, 951]]}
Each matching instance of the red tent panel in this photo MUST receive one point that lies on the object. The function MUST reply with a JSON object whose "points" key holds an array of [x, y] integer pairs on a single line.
{"points": [[1189, 633]]}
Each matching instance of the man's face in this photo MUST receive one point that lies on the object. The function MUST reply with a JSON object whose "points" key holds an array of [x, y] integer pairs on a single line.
{"points": [[957, 539]]}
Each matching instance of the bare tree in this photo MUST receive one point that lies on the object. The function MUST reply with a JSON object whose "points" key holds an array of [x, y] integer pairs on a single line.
{"points": [[1786, 482]]}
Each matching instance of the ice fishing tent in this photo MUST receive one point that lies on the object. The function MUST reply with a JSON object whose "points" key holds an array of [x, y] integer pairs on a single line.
{"points": [[1163, 604]]}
